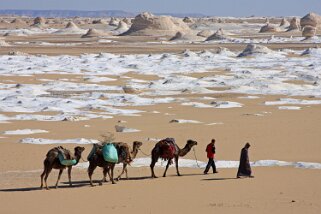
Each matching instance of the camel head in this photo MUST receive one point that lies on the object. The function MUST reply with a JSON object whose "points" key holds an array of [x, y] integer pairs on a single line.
{"points": [[190, 143], [137, 144], [187, 148], [79, 150]]}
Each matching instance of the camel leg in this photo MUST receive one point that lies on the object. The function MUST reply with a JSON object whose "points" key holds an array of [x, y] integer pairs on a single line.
{"points": [[105, 171], [112, 173], [59, 175], [91, 170], [109, 173], [45, 168], [48, 170], [124, 169], [126, 172], [167, 165], [152, 165], [69, 175], [176, 163], [42, 175]]}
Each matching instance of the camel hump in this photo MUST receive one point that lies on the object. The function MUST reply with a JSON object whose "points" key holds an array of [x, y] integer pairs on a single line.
{"points": [[168, 148], [170, 140], [167, 141], [54, 152]]}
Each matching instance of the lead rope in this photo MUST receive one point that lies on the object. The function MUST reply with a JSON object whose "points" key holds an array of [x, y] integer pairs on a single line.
{"points": [[196, 158], [146, 155]]}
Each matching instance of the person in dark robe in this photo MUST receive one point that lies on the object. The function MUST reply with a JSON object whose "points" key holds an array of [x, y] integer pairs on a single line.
{"points": [[245, 167], [210, 150]]}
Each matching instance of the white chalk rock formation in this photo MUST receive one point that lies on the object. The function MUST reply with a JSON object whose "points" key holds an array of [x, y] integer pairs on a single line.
{"points": [[311, 19], [218, 35], [146, 24], [269, 28], [253, 49], [294, 24]]}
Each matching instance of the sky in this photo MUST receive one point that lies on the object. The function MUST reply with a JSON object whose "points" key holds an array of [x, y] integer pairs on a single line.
{"points": [[206, 7]]}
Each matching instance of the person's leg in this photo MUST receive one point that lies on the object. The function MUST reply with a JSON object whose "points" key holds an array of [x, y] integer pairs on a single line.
{"points": [[214, 166], [208, 166]]}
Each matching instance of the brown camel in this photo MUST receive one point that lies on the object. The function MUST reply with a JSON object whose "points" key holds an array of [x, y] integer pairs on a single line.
{"points": [[52, 162], [133, 153], [96, 159], [167, 149]]}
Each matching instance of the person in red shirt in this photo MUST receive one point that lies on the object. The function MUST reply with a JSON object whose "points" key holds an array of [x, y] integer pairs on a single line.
{"points": [[210, 150]]}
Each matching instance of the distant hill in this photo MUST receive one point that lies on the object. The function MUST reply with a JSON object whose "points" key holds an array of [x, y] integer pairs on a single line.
{"points": [[182, 15], [73, 13], [67, 13]]}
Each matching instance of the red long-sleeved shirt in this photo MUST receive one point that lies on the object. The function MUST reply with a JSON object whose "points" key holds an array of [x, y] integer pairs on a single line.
{"points": [[209, 151]]}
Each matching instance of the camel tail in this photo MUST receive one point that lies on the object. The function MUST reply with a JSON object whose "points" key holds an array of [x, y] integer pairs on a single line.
{"points": [[45, 162]]}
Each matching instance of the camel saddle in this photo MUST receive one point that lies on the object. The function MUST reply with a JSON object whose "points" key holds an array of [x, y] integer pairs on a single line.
{"points": [[65, 157], [122, 151], [168, 148]]}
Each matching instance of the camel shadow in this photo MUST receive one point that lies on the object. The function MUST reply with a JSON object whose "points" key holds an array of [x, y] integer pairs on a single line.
{"points": [[136, 178], [184, 175], [218, 179], [99, 181], [27, 189], [82, 182]]}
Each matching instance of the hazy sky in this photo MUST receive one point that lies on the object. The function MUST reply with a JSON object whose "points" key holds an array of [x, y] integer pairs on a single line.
{"points": [[207, 7]]}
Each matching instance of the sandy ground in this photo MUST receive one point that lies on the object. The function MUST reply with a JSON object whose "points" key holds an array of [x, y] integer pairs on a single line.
{"points": [[277, 190], [277, 135], [281, 135], [139, 48]]}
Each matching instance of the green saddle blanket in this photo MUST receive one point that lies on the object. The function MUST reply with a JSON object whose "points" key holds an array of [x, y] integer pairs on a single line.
{"points": [[110, 153], [66, 162]]}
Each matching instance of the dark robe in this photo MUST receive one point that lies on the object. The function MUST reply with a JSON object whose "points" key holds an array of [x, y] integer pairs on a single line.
{"points": [[244, 167]]}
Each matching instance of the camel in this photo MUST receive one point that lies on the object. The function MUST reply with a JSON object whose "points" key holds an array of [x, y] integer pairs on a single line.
{"points": [[133, 153], [52, 162], [167, 149], [97, 159]]}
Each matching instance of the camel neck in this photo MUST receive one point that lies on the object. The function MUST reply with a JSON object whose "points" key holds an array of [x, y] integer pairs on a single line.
{"points": [[134, 152], [77, 157], [184, 151]]}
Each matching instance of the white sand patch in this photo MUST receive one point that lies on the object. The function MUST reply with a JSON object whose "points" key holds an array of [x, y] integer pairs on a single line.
{"points": [[188, 163], [209, 98], [249, 97], [25, 132], [124, 129], [226, 104], [289, 107], [106, 41], [42, 141], [26, 32], [197, 105], [291, 101], [97, 79], [213, 124], [59, 117], [263, 74], [184, 121], [3, 119]]}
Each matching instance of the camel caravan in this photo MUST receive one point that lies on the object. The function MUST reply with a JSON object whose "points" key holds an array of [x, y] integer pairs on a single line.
{"points": [[107, 154]]}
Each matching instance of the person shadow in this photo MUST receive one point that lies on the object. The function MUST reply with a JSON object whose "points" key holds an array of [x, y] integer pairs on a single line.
{"points": [[218, 179]]}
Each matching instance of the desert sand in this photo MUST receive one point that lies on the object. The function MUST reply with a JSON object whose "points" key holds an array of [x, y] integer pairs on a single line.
{"points": [[56, 85]]}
